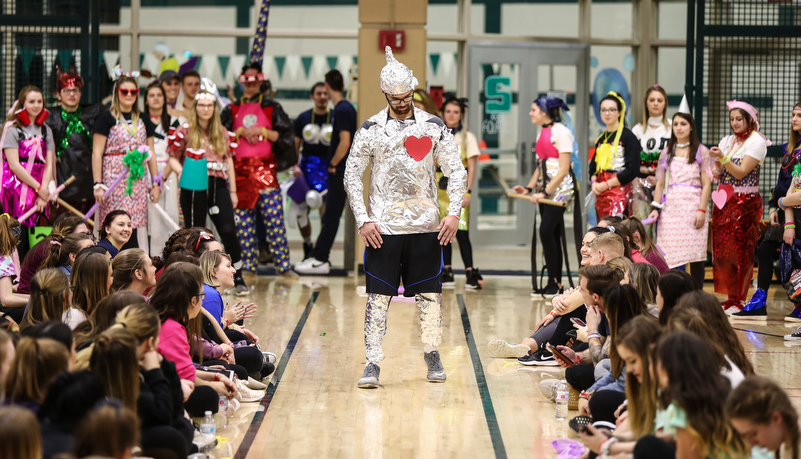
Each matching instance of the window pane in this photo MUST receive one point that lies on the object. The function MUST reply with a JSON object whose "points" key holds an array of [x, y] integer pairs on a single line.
{"points": [[612, 20]]}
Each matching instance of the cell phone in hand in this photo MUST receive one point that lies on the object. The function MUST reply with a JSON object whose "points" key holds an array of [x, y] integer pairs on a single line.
{"points": [[578, 321], [561, 356]]}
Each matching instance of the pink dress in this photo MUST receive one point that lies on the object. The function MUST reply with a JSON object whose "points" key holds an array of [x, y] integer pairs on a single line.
{"points": [[120, 142], [677, 236], [17, 196]]}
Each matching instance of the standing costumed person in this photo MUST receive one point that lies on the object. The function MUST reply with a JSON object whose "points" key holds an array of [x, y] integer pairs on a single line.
{"points": [[264, 135], [617, 160], [738, 204], [72, 125], [552, 179], [401, 224], [29, 153], [683, 174], [654, 134], [123, 139]]}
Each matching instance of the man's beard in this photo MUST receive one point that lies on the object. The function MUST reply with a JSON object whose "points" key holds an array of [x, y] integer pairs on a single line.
{"points": [[396, 111]]}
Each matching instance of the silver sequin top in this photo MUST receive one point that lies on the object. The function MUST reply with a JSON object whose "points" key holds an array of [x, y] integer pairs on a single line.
{"points": [[402, 198]]}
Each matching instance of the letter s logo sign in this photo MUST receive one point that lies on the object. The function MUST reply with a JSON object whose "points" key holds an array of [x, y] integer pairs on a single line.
{"points": [[498, 95]]}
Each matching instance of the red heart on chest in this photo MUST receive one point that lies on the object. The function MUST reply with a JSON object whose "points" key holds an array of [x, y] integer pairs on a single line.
{"points": [[418, 147]]}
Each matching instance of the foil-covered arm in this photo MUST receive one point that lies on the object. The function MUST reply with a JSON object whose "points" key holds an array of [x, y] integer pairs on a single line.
{"points": [[449, 160], [358, 159]]}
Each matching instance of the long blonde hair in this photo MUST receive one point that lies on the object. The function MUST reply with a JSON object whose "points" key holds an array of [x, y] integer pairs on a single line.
{"points": [[217, 136], [48, 301], [639, 336], [22, 438], [115, 109]]}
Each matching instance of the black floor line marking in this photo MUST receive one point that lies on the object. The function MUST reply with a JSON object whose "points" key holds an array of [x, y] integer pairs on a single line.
{"points": [[758, 333], [483, 390], [247, 441]]}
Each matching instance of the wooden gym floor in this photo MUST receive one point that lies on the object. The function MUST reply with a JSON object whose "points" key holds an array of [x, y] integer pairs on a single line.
{"points": [[488, 407]]}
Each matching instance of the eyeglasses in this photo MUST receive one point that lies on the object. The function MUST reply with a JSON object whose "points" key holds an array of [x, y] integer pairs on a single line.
{"points": [[128, 92], [203, 235], [201, 296], [608, 110], [405, 100], [70, 91]]}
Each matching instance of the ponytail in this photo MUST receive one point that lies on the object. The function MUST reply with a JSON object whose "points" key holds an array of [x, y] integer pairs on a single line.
{"points": [[59, 248], [48, 300], [35, 366], [114, 359]]}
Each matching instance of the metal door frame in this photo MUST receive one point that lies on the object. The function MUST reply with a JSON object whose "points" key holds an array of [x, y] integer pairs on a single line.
{"points": [[529, 55]]}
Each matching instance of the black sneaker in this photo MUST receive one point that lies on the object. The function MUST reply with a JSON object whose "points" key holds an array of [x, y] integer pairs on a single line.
{"points": [[447, 277], [265, 256], [308, 247], [239, 283], [474, 280], [752, 315], [267, 369], [540, 358], [552, 290], [436, 373]]}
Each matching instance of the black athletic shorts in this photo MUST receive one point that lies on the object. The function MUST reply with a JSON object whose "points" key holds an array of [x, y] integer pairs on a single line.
{"points": [[415, 258]]}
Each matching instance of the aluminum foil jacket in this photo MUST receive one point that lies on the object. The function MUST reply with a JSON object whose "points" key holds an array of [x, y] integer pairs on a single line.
{"points": [[563, 192], [402, 195]]}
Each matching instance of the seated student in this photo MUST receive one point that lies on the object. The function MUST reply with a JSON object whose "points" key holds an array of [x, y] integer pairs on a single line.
{"points": [[672, 285], [116, 231], [699, 312], [20, 433], [109, 431], [176, 241], [132, 270], [7, 352], [635, 343], [101, 319], [143, 321], [545, 330], [13, 304], [90, 279], [36, 363], [691, 404], [138, 381], [220, 325], [643, 242], [61, 254], [64, 225], [50, 299], [70, 398], [763, 414], [178, 298], [620, 304], [55, 330], [644, 277]]}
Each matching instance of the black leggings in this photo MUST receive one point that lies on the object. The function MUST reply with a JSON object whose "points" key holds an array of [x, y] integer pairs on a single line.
{"points": [[698, 272], [195, 205], [651, 447], [604, 403], [766, 253], [580, 377], [553, 218], [465, 248], [203, 398], [164, 442]]}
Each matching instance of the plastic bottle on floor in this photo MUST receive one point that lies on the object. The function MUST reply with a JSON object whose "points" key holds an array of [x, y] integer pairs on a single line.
{"points": [[561, 395], [208, 428]]}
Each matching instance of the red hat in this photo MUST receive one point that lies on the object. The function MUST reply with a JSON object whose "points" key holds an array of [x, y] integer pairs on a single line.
{"points": [[70, 80]]}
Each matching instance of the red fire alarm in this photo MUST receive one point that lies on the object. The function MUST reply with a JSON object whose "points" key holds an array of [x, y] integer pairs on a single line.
{"points": [[395, 39]]}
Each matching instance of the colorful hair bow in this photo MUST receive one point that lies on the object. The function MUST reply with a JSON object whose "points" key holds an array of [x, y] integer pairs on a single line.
{"points": [[117, 72]]}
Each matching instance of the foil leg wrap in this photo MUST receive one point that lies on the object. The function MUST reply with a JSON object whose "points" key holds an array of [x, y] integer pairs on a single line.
{"points": [[246, 232], [430, 305], [735, 230], [375, 326]]}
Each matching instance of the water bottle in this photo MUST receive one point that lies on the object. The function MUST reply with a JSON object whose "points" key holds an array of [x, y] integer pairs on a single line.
{"points": [[208, 428], [561, 395]]}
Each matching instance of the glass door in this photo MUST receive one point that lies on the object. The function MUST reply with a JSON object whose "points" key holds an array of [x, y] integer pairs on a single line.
{"points": [[504, 79]]}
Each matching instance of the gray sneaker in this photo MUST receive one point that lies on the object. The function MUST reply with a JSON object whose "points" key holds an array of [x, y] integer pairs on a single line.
{"points": [[436, 373], [369, 379]]}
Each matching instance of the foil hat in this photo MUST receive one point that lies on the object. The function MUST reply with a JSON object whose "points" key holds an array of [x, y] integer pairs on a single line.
{"points": [[396, 78]]}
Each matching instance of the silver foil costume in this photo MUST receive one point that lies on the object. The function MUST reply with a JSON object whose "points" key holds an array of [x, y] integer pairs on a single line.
{"points": [[402, 195], [563, 192]]}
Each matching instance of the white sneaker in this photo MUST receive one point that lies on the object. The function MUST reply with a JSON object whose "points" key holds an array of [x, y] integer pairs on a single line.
{"points": [[501, 349], [246, 394], [269, 357], [313, 266], [255, 385]]}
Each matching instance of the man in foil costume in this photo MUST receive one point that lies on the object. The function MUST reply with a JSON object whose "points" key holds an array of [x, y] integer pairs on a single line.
{"points": [[401, 224]]}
